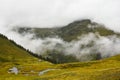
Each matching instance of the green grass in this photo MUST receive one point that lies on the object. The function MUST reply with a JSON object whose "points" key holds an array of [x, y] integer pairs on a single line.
{"points": [[11, 52], [107, 69], [12, 55], [29, 66]]}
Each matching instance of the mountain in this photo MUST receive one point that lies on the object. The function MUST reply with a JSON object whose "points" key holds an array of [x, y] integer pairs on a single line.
{"points": [[70, 33]]}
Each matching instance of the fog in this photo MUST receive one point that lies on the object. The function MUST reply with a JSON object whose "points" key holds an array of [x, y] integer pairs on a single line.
{"points": [[56, 13], [86, 44]]}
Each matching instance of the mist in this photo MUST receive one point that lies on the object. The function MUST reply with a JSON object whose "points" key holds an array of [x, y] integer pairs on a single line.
{"points": [[57, 13], [82, 48]]}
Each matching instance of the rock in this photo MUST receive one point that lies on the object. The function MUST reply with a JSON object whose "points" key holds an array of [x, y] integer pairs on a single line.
{"points": [[14, 70]]}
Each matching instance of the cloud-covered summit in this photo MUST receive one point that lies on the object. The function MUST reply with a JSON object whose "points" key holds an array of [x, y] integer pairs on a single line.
{"points": [[52, 13]]}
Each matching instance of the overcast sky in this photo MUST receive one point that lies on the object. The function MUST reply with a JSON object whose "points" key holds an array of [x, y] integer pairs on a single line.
{"points": [[55, 13], [50, 13]]}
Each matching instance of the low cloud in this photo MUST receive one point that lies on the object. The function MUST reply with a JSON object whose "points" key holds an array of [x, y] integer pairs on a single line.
{"points": [[86, 45]]}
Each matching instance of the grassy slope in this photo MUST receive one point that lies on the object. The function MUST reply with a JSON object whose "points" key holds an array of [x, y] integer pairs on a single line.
{"points": [[10, 52], [107, 69], [12, 55]]}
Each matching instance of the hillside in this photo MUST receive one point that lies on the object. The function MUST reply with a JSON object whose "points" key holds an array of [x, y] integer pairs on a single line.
{"points": [[31, 68], [13, 55], [11, 52]]}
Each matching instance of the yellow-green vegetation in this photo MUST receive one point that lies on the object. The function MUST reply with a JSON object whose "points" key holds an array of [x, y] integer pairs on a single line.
{"points": [[12, 55], [103, 32], [29, 67]]}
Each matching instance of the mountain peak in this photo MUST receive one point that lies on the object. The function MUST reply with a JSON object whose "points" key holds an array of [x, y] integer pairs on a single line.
{"points": [[69, 32]]}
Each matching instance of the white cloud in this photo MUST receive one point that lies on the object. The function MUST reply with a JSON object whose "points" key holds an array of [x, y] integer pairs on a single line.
{"points": [[50, 13]]}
